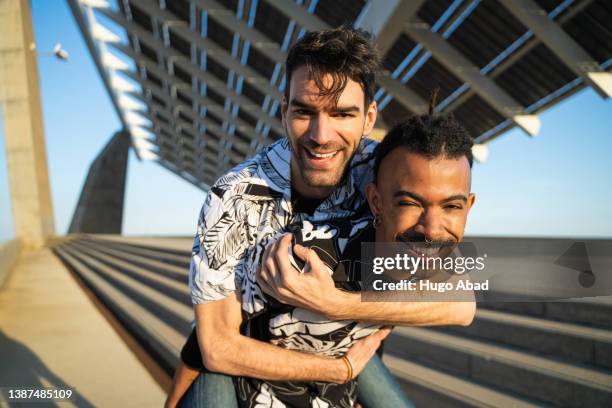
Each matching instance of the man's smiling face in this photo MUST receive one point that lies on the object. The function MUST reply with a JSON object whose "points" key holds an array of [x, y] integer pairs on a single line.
{"points": [[421, 199], [323, 134]]}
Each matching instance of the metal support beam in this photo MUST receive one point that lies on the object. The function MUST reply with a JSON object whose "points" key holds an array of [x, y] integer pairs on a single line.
{"points": [[465, 70], [298, 13], [386, 19], [178, 123], [561, 44], [516, 56], [171, 130], [228, 18], [213, 107], [185, 64], [77, 12], [194, 116], [181, 29]]}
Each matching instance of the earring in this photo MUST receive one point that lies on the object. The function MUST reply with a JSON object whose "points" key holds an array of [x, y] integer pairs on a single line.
{"points": [[377, 221]]}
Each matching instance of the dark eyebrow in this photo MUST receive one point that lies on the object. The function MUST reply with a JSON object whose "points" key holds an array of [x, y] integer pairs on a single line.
{"points": [[300, 104], [403, 193], [460, 197], [346, 109], [337, 109]]}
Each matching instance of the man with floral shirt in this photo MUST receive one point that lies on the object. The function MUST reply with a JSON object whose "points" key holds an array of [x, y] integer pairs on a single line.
{"points": [[318, 172]]}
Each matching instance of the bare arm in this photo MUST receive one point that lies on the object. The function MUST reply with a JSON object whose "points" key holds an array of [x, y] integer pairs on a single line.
{"points": [[316, 291], [183, 378], [227, 351], [349, 306]]}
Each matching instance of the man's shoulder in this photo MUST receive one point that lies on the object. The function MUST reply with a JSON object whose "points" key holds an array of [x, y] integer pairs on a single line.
{"points": [[363, 159], [248, 174], [367, 146]]}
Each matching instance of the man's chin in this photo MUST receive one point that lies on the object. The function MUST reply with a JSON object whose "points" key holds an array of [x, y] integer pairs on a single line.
{"points": [[321, 180]]}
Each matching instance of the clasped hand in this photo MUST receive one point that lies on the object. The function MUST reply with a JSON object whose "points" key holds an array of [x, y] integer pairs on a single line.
{"points": [[313, 290]]}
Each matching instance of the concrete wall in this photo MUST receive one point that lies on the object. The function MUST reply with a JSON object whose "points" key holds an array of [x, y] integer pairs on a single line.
{"points": [[23, 126], [100, 206], [9, 253]]}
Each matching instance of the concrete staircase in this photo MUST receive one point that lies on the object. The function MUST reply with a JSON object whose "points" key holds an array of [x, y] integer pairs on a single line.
{"points": [[514, 354]]}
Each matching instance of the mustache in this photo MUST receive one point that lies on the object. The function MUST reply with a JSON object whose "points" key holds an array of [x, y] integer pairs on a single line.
{"points": [[413, 237]]}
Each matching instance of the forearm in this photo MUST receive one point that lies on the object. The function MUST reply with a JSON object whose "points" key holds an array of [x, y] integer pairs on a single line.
{"points": [[224, 349], [349, 306], [239, 355], [183, 378]]}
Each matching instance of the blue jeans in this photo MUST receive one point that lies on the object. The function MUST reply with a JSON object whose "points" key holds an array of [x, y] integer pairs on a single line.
{"points": [[376, 388], [210, 390]]}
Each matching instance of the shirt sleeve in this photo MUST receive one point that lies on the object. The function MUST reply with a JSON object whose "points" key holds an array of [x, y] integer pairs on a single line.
{"points": [[218, 249]]}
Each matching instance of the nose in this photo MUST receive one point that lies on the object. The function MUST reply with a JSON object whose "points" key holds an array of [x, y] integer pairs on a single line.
{"points": [[431, 225], [320, 129]]}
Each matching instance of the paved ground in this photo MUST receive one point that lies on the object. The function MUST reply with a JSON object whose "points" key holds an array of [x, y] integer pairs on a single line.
{"points": [[52, 335]]}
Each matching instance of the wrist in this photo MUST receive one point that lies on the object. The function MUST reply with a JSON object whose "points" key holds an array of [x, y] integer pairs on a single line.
{"points": [[339, 372], [338, 304]]}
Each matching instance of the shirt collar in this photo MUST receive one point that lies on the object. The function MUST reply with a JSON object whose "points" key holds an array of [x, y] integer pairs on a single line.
{"points": [[275, 170]]}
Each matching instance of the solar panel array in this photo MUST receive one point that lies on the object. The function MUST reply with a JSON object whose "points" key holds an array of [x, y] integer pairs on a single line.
{"points": [[208, 75]]}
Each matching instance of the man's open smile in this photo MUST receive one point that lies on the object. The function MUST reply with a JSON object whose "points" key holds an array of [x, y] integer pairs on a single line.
{"points": [[319, 159]]}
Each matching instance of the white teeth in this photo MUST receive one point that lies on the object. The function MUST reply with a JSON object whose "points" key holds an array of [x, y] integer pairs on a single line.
{"points": [[321, 155]]}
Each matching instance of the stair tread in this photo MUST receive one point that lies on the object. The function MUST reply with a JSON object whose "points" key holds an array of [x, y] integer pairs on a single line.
{"points": [[590, 377], [453, 386], [124, 259], [157, 255], [546, 324], [156, 328], [178, 308], [179, 244]]}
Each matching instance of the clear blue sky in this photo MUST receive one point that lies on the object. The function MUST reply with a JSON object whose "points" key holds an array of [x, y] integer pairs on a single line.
{"points": [[557, 184]]}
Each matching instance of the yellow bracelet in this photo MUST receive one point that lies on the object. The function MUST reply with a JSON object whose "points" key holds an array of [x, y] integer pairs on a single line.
{"points": [[349, 367]]}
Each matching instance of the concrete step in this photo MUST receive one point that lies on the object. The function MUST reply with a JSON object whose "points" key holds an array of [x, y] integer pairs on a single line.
{"points": [[158, 282], [503, 359], [179, 244], [161, 340], [592, 312], [429, 387], [580, 344], [529, 375], [178, 274], [173, 312], [153, 249]]}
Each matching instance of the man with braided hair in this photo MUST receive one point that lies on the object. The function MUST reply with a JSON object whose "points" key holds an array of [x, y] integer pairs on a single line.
{"points": [[317, 173]]}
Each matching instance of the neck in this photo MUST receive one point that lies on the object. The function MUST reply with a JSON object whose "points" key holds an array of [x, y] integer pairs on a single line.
{"points": [[305, 190], [378, 235]]}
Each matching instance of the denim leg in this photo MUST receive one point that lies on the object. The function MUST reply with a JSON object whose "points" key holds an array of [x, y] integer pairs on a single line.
{"points": [[210, 390], [377, 388]]}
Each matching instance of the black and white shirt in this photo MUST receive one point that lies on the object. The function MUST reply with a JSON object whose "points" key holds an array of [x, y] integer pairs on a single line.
{"points": [[245, 210]]}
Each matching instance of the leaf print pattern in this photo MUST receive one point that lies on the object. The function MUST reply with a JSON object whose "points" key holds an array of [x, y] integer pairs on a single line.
{"points": [[245, 209]]}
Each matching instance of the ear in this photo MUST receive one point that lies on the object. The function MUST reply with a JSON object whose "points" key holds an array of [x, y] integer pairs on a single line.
{"points": [[374, 199], [471, 200], [284, 106], [370, 118]]}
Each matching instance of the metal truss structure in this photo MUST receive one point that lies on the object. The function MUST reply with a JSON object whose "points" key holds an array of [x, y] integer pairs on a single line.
{"points": [[198, 83]]}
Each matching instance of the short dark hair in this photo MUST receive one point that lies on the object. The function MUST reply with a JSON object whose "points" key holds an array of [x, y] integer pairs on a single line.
{"points": [[343, 53], [428, 135]]}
